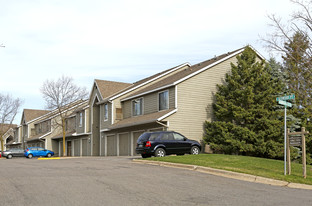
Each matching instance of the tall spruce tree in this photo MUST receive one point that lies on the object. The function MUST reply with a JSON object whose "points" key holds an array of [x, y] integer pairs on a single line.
{"points": [[298, 67], [245, 111]]}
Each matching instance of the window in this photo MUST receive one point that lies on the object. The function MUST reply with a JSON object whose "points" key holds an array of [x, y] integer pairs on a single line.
{"points": [[137, 107], [163, 100], [80, 119], [178, 137], [167, 136], [105, 112], [154, 136]]}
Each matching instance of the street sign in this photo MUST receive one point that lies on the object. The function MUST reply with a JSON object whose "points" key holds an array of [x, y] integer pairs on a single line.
{"points": [[287, 104], [295, 141], [282, 101], [292, 96]]}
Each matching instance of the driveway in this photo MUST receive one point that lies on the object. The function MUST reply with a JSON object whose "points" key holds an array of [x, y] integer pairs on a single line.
{"points": [[119, 181]]}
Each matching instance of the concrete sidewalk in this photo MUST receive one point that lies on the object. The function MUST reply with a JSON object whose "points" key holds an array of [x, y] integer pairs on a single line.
{"points": [[228, 174]]}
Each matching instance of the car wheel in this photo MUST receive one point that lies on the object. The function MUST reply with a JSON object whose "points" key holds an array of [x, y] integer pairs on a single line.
{"points": [[30, 156], [49, 155], [160, 152], [195, 150], [9, 156]]}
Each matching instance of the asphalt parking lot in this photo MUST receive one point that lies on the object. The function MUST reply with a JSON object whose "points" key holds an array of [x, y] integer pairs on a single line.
{"points": [[119, 181]]}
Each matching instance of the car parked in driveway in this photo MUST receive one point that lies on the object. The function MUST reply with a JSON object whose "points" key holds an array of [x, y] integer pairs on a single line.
{"points": [[14, 152], [38, 152], [159, 144]]}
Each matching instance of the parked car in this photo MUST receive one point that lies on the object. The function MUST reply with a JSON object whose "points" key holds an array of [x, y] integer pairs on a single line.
{"points": [[159, 144], [38, 152], [14, 152], [0, 153]]}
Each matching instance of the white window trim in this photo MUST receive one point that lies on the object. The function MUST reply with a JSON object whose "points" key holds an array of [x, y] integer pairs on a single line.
{"points": [[132, 112], [176, 97], [167, 90]]}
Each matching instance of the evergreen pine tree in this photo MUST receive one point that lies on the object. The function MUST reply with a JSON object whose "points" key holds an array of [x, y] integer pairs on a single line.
{"points": [[297, 66], [246, 118]]}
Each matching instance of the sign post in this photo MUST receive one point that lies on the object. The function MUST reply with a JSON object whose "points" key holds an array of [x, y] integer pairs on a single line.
{"points": [[282, 101], [297, 141]]}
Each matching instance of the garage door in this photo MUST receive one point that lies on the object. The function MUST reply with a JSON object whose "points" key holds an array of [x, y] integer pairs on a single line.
{"points": [[102, 145], [76, 147], [61, 149], [111, 145], [124, 144], [84, 147], [136, 136]]}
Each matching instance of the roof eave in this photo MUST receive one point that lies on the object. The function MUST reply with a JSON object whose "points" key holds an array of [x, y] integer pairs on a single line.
{"points": [[151, 80]]}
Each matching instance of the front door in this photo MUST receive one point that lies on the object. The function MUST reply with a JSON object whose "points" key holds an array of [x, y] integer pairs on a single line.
{"points": [[69, 149]]}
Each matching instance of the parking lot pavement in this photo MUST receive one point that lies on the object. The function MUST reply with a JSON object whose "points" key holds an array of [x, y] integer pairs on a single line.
{"points": [[118, 181]]}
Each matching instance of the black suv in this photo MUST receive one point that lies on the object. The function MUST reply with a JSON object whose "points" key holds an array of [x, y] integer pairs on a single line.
{"points": [[159, 144]]}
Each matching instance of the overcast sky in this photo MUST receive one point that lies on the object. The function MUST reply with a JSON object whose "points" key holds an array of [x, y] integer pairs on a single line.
{"points": [[120, 40]]}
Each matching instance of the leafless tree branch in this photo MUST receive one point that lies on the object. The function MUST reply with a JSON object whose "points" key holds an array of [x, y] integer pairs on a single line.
{"points": [[61, 95]]}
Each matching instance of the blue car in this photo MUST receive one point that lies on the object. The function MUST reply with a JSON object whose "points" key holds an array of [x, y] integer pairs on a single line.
{"points": [[38, 152]]}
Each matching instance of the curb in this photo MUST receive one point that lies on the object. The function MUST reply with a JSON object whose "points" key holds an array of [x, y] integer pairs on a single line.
{"points": [[49, 158], [228, 174], [56, 158]]}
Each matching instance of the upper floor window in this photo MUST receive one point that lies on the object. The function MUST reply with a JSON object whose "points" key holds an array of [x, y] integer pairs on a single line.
{"points": [[70, 123], [137, 107], [163, 100], [105, 112], [43, 127], [80, 119]]}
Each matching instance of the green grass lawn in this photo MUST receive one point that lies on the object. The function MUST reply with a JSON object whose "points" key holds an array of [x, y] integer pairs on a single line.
{"points": [[243, 164]]}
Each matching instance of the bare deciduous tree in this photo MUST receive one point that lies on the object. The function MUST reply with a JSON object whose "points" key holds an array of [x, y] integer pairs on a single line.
{"points": [[293, 41], [8, 110], [62, 95], [300, 22]]}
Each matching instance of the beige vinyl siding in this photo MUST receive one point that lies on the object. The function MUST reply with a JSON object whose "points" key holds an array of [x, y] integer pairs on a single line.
{"points": [[195, 99], [150, 103], [171, 97], [126, 109], [117, 104]]}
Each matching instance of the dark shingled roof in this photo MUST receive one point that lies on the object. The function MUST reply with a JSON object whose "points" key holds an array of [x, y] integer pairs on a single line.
{"points": [[181, 74], [30, 114], [142, 81], [108, 88], [137, 120]]}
